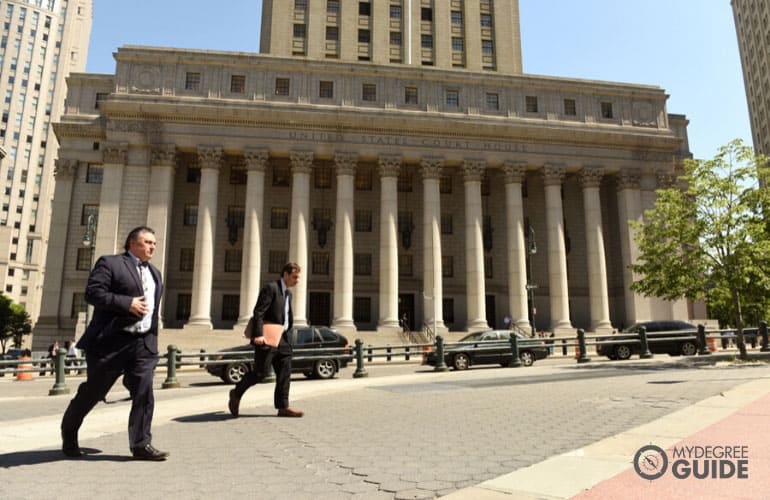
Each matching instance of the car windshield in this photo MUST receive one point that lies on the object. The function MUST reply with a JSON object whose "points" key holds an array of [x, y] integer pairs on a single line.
{"points": [[472, 337]]}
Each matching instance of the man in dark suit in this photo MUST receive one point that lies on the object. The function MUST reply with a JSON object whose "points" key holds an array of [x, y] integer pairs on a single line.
{"points": [[273, 306], [122, 338]]}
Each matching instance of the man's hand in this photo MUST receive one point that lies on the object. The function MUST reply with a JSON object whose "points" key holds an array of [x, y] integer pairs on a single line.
{"points": [[138, 307], [259, 340]]}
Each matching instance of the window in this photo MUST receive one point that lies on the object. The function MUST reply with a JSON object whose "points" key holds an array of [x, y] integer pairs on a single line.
{"points": [[94, 174], [183, 306], [230, 307], [362, 264], [531, 103], [448, 305], [320, 263], [446, 224], [488, 267], [395, 12], [299, 31], [363, 221], [570, 108], [395, 38], [276, 259], [238, 174], [487, 47], [281, 176], [193, 174], [363, 180], [445, 184], [9, 289], [493, 101], [100, 96], [486, 21], [238, 84], [364, 36], [369, 92], [457, 18], [426, 41], [410, 95], [364, 9], [326, 90], [426, 14], [79, 304], [235, 215], [192, 81], [186, 259], [282, 86], [300, 4], [404, 264], [606, 110], [84, 258], [452, 99], [322, 177], [362, 309], [279, 218], [458, 45], [87, 211], [190, 215], [332, 6], [233, 260], [332, 33], [447, 266]]}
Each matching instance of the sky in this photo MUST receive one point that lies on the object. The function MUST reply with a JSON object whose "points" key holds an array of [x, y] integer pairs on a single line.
{"points": [[687, 47]]}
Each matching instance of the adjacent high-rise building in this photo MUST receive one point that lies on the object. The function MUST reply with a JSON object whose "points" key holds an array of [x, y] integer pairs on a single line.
{"points": [[42, 42], [752, 24]]}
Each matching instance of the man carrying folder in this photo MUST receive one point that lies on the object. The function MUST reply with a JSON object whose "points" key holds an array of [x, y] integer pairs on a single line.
{"points": [[272, 319]]}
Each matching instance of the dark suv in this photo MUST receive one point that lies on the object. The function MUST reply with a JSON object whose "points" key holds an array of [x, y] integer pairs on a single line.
{"points": [[680, 337]]}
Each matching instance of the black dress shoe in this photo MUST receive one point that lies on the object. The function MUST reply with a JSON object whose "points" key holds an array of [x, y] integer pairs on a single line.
{"points": [[69, 444], [148, 452], [233, 403]]}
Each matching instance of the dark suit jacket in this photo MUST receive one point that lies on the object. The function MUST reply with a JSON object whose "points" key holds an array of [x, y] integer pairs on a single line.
{"points": [[112, 284], [270, 309]]}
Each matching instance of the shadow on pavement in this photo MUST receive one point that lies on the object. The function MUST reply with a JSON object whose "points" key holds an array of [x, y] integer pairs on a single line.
{"points": [[37, 457], [218, 416]]}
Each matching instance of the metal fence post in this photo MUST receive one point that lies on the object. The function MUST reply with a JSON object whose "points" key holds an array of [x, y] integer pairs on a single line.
{"points": [[203, 359], [763, 332], [171, 382], [406, 353], [703, 348], [583, 358], [60, 387], [645, 352], [440, 363], [516, 361], [388, 350], [563, 347], [360, 370], [370, 351]]}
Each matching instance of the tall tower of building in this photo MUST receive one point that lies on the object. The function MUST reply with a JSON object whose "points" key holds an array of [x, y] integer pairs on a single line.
{"points": [[42, 42], [752, 23], [477, 35]]}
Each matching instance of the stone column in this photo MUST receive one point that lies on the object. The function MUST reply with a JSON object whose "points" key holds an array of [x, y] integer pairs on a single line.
{"points": [[51, 307], [210, 159], [389, 170], [517, 246], [343, 243], [473, 171], [256, 163], [676, 309], [161, 200], [591, 178], [301, 165], [114, 159], [630, 208], [557, 255], [431, 241]]}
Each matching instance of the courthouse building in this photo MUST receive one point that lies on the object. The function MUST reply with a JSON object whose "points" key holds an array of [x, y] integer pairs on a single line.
{"points": [[393, 148]]}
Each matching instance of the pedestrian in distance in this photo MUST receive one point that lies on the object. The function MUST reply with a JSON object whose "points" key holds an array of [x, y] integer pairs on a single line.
{"points": [[272, 312], [121, 339]]}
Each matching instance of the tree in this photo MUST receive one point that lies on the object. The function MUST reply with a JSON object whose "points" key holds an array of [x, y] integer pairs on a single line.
{"points": [[708, 236], [5, 318], [14, 322]]}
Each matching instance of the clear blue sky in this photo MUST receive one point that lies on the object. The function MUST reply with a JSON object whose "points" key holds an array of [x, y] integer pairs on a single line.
{"points": [[687, 47]]}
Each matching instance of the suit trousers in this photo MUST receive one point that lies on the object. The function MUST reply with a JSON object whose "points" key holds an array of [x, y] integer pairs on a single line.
{"points": [[264, 358], [107, 358]]}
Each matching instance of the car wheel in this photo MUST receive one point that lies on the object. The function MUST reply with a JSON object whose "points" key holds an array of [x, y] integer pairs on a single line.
{"points": [[324, 368], [461, 361], [689, 349], [234, 373], [527, 358], [622, 352]]}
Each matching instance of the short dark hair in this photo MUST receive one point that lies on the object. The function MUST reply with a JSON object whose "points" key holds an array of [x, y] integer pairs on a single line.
{"points": [[291, 268], [135, 233]]}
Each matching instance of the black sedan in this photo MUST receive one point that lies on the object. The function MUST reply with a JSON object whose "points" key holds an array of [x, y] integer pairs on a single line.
{"points": [[490, 347], [327, 352], [664, 337]]}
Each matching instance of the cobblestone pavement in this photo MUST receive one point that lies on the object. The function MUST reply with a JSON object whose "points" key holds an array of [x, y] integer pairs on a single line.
{"points": [[413, 436]]}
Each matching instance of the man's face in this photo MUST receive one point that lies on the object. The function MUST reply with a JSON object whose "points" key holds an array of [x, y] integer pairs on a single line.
{"points": [[291, 279], [143, 247]]}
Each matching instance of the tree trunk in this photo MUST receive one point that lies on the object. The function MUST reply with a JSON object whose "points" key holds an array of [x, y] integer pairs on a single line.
{"points": [[739, 324]]}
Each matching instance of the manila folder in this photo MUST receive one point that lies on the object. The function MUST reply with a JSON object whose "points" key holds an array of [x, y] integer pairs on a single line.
{"points": [[272, 333]]}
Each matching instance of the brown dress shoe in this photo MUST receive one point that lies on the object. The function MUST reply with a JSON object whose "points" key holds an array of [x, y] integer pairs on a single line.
{"points": [[289, 412], [149, 452], [233, 403]]}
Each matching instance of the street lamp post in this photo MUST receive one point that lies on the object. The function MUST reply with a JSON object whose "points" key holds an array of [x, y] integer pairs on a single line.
{"points": [[89, 238], [531, 251]]}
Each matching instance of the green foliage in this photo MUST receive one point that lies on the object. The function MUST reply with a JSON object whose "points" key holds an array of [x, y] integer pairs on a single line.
{"points": [[708, 236], [14, 322]]}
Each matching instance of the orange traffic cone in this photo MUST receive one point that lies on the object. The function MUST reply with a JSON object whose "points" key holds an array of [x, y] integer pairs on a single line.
{"points": [[24, 366]]}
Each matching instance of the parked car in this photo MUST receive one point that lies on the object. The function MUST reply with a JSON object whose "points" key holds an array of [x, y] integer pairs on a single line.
{"points": [[489, 347], [679, 333], [323, 340], [10, 355]]}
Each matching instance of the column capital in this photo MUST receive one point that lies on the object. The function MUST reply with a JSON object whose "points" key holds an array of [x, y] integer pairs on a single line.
{"points": [[65, 169], [627, 179], [256, 159], [553, 174], [666, 177], [515, 171], [431, 168], [346, 163], [163, 155], [210, 157], [390, 165], [301, 162], [591, 176], [473, 170], [115, 153]]}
